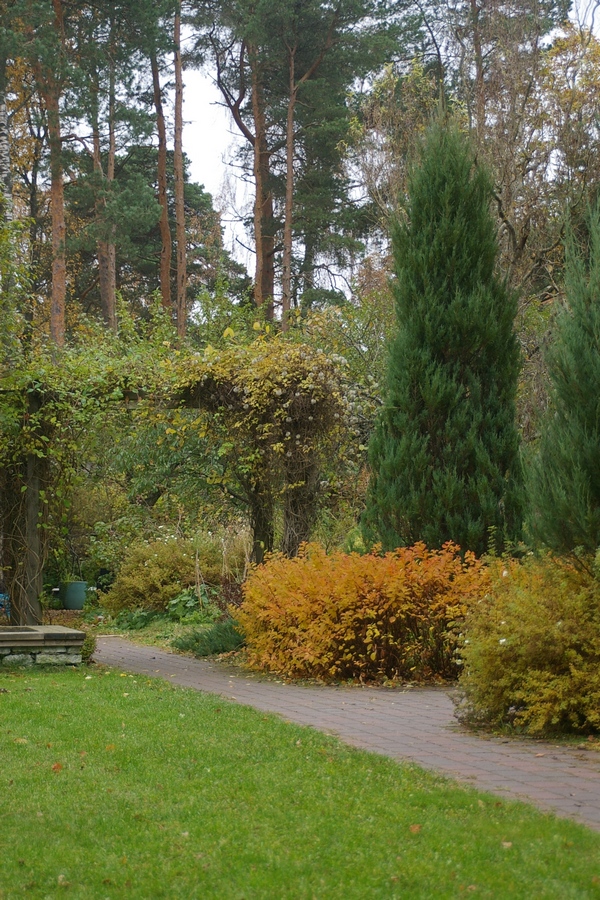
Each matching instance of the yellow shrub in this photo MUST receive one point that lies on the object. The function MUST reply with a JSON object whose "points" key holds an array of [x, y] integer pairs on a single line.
{"points": [[349, 616], [151, 575], [532, 649]]}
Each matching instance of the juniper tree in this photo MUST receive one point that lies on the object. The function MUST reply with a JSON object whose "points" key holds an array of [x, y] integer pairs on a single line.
{"points": [[445, 450], [565, 476]]}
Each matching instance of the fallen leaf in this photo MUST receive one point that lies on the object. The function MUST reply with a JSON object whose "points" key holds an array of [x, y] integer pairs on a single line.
{"points": [[507, 844], [62, 880], [415, 829], [481, 804], [20, 740], [57, 767], [110, 747], [540, 754]]}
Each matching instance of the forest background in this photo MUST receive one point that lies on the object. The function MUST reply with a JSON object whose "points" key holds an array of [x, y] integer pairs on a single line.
{"points": [[154, 389]]}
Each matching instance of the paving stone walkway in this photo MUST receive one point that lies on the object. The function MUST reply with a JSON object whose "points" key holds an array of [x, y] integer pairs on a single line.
{"points": [[415, 724]]}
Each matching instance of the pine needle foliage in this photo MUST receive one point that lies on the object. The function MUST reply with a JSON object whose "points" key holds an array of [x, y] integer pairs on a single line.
{"points": [[445, 452], [565, 476]]}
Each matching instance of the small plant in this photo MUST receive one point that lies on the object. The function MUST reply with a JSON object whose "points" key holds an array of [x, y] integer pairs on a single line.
{"points": [[194, 607], [88, 647], [135, 619], [223, 637], [362, 617], [531, 649]]}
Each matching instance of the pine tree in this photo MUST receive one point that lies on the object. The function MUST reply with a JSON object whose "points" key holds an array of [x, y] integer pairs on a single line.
{"points": [[565, 475], [445, 451]]}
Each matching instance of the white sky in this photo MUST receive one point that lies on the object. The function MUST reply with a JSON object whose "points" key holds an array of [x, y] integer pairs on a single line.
{"points": [[210, 138]]}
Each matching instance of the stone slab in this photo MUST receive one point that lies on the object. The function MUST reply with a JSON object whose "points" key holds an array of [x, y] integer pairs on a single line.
{"points": [[17, 659]]}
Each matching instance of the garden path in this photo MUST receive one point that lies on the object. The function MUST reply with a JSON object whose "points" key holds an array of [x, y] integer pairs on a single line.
{"points": [[409, 724]]}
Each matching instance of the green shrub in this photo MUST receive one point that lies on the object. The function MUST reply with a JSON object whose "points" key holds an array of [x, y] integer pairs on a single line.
{"points": [[88, 647], [531, 649], [364, 617], [221, 638]]}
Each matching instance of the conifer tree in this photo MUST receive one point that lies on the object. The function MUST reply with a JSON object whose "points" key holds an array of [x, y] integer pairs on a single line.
{"points": [[445, 451], [565, 475]]}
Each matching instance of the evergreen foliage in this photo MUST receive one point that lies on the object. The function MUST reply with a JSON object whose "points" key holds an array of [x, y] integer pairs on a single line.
{"points": [[565, 478], [445, 453]]}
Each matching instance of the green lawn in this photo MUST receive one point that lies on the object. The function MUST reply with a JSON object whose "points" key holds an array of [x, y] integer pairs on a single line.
{"points": [[115, 786]]}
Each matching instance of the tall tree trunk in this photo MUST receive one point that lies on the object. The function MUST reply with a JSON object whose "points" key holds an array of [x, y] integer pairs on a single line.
{"points": [[22, 535], [286, 274], [6, 206], [57, 203], [300, 505], [261, 522], [479, 75], [264, 219], [181, 306], [110, 177], [107, 293], [165, 231]]}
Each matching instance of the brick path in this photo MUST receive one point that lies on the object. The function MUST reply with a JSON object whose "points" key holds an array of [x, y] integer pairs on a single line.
{"points": [[415, 725]]}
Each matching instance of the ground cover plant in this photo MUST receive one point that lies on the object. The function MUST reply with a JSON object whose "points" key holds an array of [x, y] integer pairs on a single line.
{"points": [[367, 617], [531, 649], [118, 786]]}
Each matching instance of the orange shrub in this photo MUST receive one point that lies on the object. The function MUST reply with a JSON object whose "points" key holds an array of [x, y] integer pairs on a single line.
{"points": [[367, 617]]}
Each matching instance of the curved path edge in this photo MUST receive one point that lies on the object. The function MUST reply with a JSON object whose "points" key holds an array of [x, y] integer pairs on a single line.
{"points": [[408, 724]]}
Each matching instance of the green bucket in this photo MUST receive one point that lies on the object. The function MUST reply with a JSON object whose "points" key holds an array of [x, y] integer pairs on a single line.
{"points": [[73, 594]]}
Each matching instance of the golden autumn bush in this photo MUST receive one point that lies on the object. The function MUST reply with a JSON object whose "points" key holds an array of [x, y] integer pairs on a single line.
{"points": [[347, 616], [531, 650]]}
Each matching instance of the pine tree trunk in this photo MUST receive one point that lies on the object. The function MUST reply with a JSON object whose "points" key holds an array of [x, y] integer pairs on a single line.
{"points": [[264, 221], [107, 293], [110, 177], [165, 231], [286, 276], [179, 185], [5, 180], [479, 79], [57, 204]]}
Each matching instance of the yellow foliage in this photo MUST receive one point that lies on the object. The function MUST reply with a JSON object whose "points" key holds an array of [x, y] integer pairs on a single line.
{"points": [[532, 648]]}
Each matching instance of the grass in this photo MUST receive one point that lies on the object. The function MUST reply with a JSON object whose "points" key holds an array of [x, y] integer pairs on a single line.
{"points": [[117, 786]]}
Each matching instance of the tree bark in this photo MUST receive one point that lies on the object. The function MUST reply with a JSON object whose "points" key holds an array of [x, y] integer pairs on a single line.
{"points": [[165, 231], [286, 274], [110, 177], [261, 522], [181, 305], [50, 93], [22, 542], [300, 507], [105, 275], [6, 206], [264, 220], [479, 74]]}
